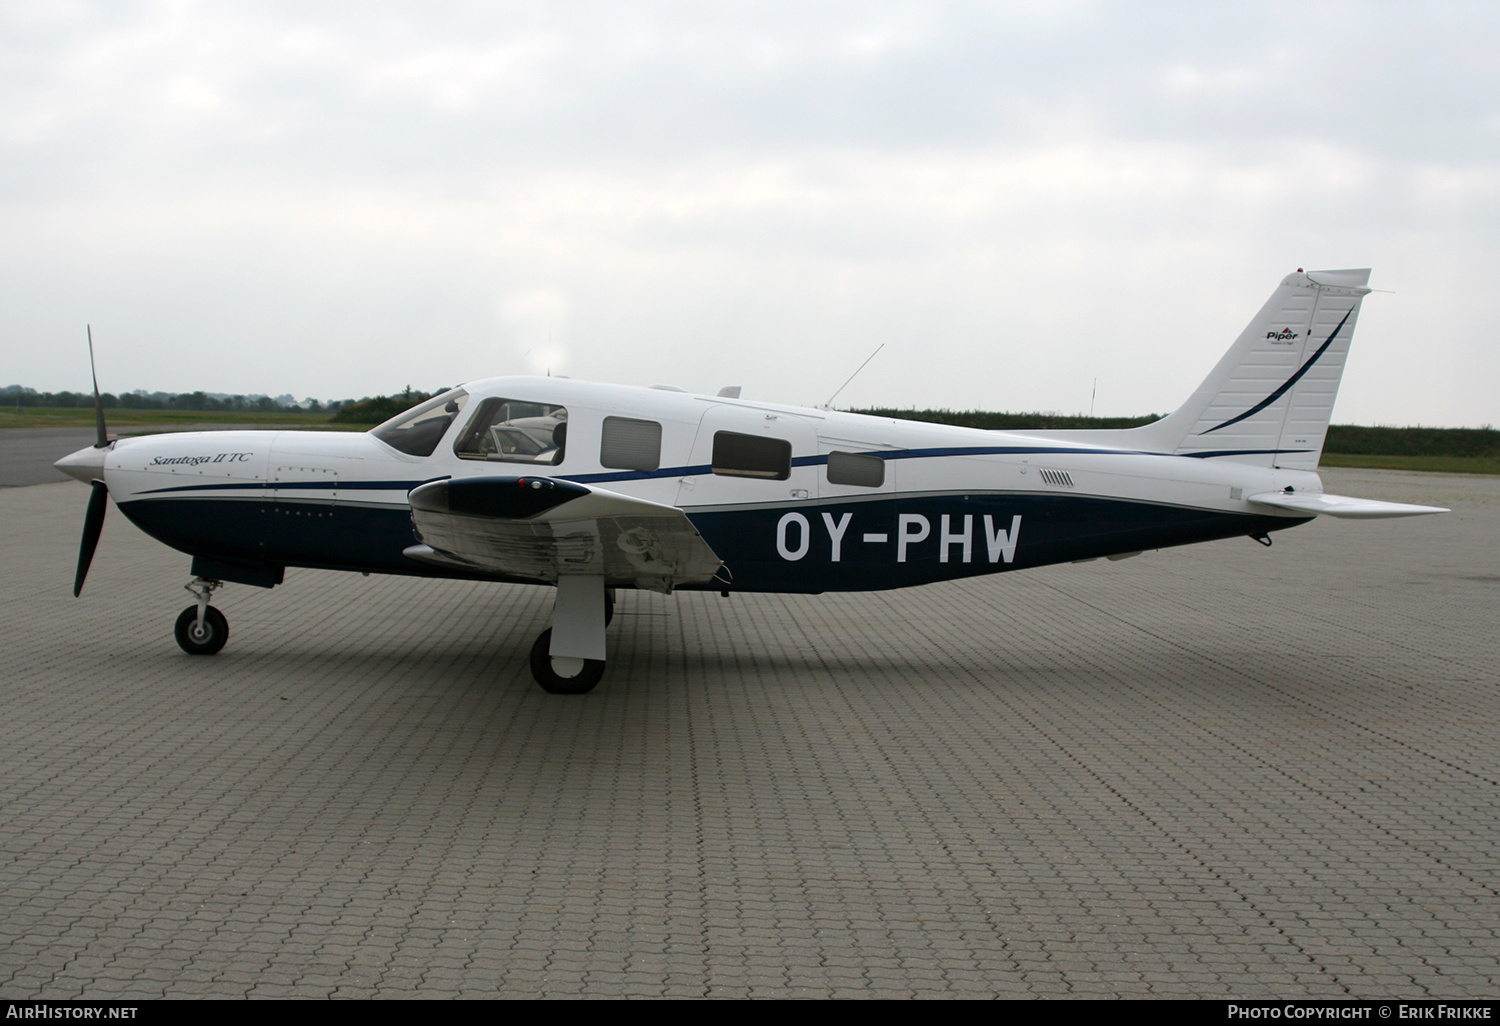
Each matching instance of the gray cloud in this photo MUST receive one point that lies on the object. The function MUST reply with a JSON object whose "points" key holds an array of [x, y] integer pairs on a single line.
{"points": [[340, 199]]}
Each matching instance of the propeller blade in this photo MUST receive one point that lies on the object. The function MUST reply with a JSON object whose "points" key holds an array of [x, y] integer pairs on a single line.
{"points": [[103, 436], [93, 523]]}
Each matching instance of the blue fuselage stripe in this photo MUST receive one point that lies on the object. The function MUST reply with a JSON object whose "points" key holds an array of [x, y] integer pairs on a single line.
{"points": [[919, 454], [692, 471]]}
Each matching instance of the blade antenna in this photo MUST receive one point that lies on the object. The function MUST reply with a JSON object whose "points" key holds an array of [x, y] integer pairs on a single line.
{"points": [[845, 385], [103, 436]]}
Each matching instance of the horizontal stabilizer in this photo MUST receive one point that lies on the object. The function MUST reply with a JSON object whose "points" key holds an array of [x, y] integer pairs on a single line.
{"points": [[1341, 505]]}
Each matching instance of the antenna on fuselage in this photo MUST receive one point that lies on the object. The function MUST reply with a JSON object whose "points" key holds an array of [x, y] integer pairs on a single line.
{"points": [[845, 385]]}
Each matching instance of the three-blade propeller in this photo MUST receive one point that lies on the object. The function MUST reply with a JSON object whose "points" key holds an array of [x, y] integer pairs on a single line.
{"points": [[102, 437], [93, 523], [93, 520]]}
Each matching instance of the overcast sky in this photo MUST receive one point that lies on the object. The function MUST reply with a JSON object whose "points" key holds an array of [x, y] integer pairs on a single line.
{"points": [[1016, 199]]}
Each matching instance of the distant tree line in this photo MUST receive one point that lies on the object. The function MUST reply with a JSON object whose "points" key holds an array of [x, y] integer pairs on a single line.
{"points": [[376, 409], [1009, 421], [16, 395], [369, 410], [1412, 441]]}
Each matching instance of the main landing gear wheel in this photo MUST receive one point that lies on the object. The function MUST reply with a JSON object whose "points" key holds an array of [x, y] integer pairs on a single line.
{"points": [[544, 668], [205, 640]]}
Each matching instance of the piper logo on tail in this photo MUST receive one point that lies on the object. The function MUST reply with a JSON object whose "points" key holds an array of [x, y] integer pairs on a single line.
{"points": [[1284, 335]]}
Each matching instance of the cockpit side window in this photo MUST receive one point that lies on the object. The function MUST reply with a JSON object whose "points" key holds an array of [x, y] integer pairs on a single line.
{"points": [[514, 431], [418, 431]]}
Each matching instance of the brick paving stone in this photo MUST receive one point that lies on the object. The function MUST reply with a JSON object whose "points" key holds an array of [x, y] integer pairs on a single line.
{"points": [[1209, 771]]}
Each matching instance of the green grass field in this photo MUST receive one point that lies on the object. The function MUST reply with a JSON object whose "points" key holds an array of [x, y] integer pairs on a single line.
{"points": [[1433, 464]]}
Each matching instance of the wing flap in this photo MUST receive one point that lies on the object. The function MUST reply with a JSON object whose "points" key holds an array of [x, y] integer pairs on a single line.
{"points": [[541, 528], [1341, 505]]}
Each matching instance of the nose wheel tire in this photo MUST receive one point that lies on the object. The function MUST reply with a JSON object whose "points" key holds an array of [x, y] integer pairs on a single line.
{"points": [[207, 640], [545, 669]]}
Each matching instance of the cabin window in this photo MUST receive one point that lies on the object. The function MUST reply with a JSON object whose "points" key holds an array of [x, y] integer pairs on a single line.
{"points": [[737, 455], [627, 444], [514, 431], [853, 468], [418, 430]]}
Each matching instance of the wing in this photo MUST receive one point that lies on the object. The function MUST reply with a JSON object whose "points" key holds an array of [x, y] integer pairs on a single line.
{"points": [[1341, 505], [541, 528]]}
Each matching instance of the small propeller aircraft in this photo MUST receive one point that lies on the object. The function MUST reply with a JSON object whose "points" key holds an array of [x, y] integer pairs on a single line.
{"points": [[588, 488]]}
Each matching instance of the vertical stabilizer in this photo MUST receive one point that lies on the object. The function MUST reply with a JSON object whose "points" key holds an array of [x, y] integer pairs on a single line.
{"points": [[1269, 400]]}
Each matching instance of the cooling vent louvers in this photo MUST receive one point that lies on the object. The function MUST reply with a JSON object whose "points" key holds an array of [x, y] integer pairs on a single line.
{"points": [[1059, 478]]}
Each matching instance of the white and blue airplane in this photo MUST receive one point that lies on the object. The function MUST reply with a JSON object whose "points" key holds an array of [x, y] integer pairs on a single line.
{"points": [[588, 488]]}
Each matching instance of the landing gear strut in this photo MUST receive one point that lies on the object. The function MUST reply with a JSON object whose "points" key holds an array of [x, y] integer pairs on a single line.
{"points": [[201, 629], [568, 658]]}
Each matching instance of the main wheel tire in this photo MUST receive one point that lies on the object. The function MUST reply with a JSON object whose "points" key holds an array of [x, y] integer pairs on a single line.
{"points": [[554, 683], [201, 642], [609, 606]]}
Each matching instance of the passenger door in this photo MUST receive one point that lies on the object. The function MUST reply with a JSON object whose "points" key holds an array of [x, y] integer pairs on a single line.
{"points": [[748, 442]]}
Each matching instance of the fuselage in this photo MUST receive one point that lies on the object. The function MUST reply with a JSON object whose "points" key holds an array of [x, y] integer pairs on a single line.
{"points": [[791, 499]]}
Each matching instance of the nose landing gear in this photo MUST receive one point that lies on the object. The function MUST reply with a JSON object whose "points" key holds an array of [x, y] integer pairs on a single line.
{"points": [[201, 629]]}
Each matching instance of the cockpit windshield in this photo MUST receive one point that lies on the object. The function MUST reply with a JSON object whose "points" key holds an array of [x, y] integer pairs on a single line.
{"points": [[418, 431]]}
